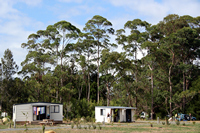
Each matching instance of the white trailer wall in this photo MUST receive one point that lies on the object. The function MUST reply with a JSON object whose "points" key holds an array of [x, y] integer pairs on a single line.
{"points": [[26, 109], [102, 111], [58, 116], [99, 117]]}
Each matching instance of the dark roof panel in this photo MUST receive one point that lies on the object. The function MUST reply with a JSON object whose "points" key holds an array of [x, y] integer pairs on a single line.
{"points": [[36, 103], [116, 107]]}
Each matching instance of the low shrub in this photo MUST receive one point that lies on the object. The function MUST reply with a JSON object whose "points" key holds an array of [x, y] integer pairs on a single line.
{"points": [[151, 124], [89, 126], [72, 125], [94, 126], [99, 126], [177, 122], [79, 127], [43, 128], [168, 123], [77, 124]]}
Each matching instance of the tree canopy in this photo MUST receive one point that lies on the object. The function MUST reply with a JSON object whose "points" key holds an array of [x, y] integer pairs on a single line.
{"points": [[84, 68]]}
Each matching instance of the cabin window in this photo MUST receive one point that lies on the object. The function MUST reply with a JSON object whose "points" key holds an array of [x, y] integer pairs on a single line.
{"points": [[103, 112], [55, 109]]}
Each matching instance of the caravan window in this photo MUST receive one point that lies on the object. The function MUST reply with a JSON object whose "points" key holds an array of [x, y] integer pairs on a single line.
{"points": [[55, 109], [103, 112]]}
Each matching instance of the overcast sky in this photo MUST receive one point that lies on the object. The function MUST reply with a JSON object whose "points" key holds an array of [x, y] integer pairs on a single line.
{"points": [[20, 18]]}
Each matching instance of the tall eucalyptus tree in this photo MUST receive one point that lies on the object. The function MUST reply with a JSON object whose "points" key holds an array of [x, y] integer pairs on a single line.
{"points": [[35, 63], [150, 44], [58, 39], [109, 68], [99, 28], [132, 43], [85, 47], [178, 48]]}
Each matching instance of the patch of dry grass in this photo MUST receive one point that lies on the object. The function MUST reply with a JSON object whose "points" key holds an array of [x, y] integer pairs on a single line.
{"points": [[117, 128]]}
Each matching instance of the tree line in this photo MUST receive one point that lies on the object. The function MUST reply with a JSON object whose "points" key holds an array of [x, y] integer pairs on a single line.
{"points": [[83, 68]]}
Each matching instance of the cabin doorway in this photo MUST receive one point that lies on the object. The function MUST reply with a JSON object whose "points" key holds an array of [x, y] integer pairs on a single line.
{"points": [[116, 115], [128, 115], [39, 112]]}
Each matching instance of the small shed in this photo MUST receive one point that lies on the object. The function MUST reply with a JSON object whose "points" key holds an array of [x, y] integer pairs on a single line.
{"points": [[37, 112], [114, 114]]}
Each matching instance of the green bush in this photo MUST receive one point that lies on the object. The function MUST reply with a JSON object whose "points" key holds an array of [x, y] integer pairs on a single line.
{"points": [[89, 126], [158, 115], [151, 124], [94, 126], [99, 127], [83, 108], [168, 123], [183, 124], [163, 123], [177, 122], [43, 128], [79, 127], [88, 119], [72, 125]]}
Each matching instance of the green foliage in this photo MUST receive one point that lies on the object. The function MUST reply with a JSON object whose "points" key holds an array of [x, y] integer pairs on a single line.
{"points": [[25, 125], [177, 122], [12, 89], [118, 121], [99, 125], [79, 126], [94, 126], [183, 124], [89, 126], [43, 128], [168, 123], [72, 125], [99, 28], [151, 124], [60, 67], [83, 108]]}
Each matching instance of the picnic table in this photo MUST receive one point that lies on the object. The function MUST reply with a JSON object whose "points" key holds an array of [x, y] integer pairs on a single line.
{"points": [[47, 122]]}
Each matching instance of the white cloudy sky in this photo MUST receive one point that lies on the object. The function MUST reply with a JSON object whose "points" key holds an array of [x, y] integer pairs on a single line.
{"points": [[19, 18]]}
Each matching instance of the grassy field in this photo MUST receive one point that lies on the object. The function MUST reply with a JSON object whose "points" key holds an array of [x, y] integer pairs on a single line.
{"points": [[137, 127]]}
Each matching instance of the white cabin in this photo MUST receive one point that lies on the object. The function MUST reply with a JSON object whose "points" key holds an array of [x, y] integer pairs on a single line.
{"points": [[37, 112], [116, 114]]}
